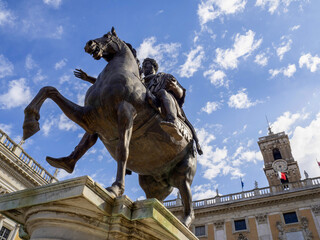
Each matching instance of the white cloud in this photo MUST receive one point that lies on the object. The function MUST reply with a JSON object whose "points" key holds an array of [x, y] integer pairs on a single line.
{"points": [[285, 46], [211, 9], [159, 12], [215, 161], [64, 78], [60, 64], [6, 128], [261, 59], [305, 144], [80, 98], [6, 16], [288, 71], [164, 53], [204, 191], [141, 198], [66, 124], [312, 63], [273, 5], [241, 100], [286, 121], [6, 67], [243, 46], [193, 62], [53, 3], [296, 27], [217, 78], [47, 125], [39, 77], [30, 63], [57, 34], [211, 107], [243, 155], [19, 94], [63, 175]]}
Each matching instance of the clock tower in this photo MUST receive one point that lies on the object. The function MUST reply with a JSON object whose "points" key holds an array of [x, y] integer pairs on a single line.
{"points": [[277, 156]]}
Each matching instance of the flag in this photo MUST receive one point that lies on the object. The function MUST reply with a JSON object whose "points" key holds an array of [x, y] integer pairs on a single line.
{"points": [[242, 184], [283, 176]]}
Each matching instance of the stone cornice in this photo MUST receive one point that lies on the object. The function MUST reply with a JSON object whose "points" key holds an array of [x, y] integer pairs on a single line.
{"points": [[25, 178]]}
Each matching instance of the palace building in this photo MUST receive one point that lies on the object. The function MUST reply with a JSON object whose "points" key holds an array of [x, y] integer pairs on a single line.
{"points": [[288, 209], [18, 171]]}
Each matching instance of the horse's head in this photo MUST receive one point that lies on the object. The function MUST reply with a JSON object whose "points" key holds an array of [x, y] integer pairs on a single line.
{"points": [[105, 47]]}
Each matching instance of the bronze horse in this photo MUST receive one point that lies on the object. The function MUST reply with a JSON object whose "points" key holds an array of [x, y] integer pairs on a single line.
{"points": [[117, 112]]}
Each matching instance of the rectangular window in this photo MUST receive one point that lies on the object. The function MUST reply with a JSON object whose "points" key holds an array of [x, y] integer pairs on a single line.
{"points": [[290, 217], [200, 231], [4, 233], [240, 225]]}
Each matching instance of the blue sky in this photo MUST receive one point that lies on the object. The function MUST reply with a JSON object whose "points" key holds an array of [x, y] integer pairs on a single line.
{"points": [[239, 60]]}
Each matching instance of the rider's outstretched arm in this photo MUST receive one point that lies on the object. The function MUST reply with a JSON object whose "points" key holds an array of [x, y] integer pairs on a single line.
{"points": [[84, 76]]}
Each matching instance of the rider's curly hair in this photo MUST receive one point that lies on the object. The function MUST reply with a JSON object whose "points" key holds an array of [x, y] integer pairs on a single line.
{"points": [[153, 62]]}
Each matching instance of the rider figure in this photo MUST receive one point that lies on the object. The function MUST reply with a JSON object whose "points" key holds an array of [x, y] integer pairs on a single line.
{"points": [[166, 93]]}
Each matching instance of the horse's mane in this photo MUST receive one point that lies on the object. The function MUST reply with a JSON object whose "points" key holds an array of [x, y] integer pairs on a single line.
{"points": [[134, 52]]}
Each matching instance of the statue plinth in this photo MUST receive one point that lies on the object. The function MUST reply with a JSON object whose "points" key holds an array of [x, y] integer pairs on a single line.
{"points": [[79, 209]]}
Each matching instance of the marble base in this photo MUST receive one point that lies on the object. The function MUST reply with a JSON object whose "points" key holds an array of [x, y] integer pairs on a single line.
{"points": [[80, 209]]}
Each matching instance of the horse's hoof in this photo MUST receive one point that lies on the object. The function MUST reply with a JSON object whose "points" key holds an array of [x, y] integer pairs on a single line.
{"points": [[171, 129], [30, 128], [188, 220], [115, 190], [64, 163]]}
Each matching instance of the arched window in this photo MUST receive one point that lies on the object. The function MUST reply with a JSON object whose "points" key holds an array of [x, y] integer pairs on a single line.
{"points": [[276, 154]]}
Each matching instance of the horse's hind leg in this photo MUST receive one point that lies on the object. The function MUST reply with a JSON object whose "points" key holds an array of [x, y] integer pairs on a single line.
{"points": [[70, 109], [126, 114], [181, 177], [153, 188]]}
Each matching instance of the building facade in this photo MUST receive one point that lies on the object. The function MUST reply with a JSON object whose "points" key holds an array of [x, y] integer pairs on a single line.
{"points": [[18, 171], [288, 209]]}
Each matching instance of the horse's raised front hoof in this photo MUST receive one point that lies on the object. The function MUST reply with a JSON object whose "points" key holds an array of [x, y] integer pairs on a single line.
{"points": [[171, 129], [188, 220], [116, 190], [65, 163], [30, 128]]}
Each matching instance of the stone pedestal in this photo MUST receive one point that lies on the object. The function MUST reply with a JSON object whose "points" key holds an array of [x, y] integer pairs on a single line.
{"points": [[80, 209]]}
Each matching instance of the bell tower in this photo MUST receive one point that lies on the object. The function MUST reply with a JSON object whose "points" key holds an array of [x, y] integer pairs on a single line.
{"points": [[277, 156]]}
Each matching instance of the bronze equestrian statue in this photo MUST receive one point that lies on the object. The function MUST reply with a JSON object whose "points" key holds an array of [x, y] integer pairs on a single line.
{"points": [[116, 111]]}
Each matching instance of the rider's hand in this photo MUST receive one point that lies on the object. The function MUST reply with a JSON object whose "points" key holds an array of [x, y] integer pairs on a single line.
{"points": [[80, 74]]}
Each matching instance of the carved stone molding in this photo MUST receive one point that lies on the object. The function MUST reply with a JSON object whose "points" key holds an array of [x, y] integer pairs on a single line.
{"points": [[242, 237], [3, 190], [316, 209], [261, 218], [219, 225], [306, 232], [281, 235]]}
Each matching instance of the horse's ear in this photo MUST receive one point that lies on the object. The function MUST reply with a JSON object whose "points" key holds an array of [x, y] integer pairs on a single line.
{"points": [[113, 32]]}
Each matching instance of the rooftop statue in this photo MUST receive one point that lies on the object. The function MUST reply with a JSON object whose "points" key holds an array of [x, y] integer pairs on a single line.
{"points": [[140, 122]]}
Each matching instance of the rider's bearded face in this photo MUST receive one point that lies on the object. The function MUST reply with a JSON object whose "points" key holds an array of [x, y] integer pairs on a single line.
{"points": [[148, 68]]}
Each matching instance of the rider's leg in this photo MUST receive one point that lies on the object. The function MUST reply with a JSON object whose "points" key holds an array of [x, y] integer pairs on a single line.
{"points": [[168, 106], [68, 163], [169, 111]]}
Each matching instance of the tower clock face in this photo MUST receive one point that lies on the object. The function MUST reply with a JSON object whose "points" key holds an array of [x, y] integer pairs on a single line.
{"points": [[280, 165]]}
